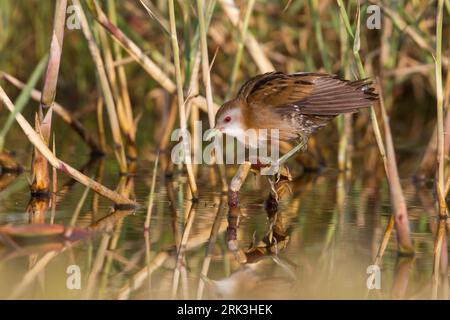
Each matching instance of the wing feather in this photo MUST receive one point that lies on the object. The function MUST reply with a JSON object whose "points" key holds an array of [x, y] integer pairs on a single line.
{"points": [[307, 93]]}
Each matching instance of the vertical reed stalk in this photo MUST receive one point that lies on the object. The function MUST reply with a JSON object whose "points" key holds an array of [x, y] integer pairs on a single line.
{"points": [[180, 98], [345, 122], [240, 49], [54, 183], [207, 76], [205, 62], [362, 73], [119, 150], [323, 51], [440, 98], [396, 193], [39, 166], [390, 165], [137, 54], [101, 124], [56, 45], [123, 87]]}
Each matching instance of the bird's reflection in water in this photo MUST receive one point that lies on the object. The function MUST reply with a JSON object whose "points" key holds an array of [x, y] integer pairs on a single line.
{"points": [[262, 270]]}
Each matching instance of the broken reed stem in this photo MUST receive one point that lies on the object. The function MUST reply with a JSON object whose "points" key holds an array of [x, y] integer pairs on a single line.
{"points": [[40, 177], [440, 99], [23, 98], [240, 49], [56, 45], [119, 150], [37, 142], [62, 112], [385, 241], [180, 99], [39, 166]]}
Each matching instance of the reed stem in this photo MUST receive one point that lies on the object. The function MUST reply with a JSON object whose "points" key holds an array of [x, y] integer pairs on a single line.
{"points": [[440, 99], [37, 142], [54, 60], [119, 150], [180, 99], [240, 49], [23, 98]]}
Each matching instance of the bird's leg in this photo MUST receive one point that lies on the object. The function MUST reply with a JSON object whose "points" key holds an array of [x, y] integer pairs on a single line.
{"points": [[275, 166], [236, 183]]}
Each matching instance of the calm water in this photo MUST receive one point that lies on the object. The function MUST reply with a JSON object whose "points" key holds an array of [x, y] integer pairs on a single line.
{"points": [[329, 227]]}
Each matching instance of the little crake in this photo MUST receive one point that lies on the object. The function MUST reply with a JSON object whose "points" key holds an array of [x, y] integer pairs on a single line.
{"points": [[296, 104]]}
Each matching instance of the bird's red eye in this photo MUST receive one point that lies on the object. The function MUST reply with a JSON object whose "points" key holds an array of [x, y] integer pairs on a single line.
{"points": [[227, 119]]}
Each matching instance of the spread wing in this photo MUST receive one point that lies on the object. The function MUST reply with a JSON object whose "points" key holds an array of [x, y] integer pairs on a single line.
{"points": [[307, 93]]}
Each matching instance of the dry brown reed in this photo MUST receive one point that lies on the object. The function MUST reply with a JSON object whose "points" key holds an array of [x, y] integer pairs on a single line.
{"points": [[37, 142]]}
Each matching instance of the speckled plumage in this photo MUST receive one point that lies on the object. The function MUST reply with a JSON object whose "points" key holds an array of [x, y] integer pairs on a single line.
{"points": [[296, 104]]}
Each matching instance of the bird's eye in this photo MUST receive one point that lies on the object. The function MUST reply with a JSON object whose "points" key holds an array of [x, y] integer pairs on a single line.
{"points": [[227, 119]]}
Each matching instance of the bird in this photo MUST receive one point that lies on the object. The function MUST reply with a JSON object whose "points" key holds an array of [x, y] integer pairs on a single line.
{"points": [[296, 105]]}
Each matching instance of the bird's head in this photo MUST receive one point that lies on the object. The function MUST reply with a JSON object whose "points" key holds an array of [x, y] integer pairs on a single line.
{"points": [[229, 120]]}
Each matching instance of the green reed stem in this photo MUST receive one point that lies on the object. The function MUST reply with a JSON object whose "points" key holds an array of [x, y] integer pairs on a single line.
{"points": [[180, 98], [23, 98], [240, 49], [319, 36], [362, 74]]}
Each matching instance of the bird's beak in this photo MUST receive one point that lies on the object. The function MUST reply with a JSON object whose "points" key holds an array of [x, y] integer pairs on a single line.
{"points": [[211, 133]]}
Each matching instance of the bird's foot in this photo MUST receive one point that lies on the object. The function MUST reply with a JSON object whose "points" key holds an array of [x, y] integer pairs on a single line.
{"points": [[274, 168], [271, 170]]}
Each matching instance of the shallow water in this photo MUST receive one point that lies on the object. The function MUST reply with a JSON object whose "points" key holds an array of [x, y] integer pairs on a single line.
{"points": [[331, 226]]}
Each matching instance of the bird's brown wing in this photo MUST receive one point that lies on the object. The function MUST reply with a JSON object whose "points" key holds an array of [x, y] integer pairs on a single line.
{"points": [[307, 93]]}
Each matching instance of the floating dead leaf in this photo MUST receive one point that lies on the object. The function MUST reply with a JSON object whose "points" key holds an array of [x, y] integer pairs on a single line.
{"points": [[33, 233]]}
